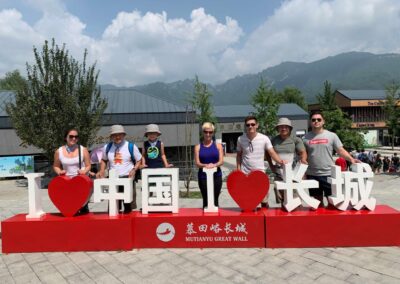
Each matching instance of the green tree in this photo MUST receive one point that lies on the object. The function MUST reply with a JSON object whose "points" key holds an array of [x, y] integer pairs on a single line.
{"points": [[392, 111], [327, 99], [61, 93], [337, 121], [201, 102], [266, 102], [13, 81], [293, 95]]}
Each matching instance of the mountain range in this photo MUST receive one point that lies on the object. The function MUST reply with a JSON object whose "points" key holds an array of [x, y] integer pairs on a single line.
{"points": [[349, 71]]}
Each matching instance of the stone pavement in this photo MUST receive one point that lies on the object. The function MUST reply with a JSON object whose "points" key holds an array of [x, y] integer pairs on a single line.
{"points": [[320, 265]]}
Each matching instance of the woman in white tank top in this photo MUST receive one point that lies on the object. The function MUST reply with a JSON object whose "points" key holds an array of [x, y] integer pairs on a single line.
{"points": [[66, 158]]}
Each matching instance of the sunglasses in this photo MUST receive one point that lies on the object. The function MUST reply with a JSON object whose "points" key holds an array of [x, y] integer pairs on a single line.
{"points": [[73, 136], [208, 132], [250, 124], [316, 119]]}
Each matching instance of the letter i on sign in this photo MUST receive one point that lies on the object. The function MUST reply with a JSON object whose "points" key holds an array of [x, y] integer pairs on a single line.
{"points": [[210, 191]]}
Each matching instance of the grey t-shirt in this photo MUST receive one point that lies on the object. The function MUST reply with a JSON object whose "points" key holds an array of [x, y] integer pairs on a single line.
{"points": [[320, 152], [287, 148]]}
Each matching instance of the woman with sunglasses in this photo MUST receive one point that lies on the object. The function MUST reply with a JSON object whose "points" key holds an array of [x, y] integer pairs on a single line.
{"points": [[209, 154], [72, 159]]}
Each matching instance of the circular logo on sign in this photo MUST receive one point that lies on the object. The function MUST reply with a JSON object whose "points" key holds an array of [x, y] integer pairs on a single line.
{"points": [[165, 232]]}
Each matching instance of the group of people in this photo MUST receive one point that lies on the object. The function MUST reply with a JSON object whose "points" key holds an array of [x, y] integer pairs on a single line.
{"points": [[315, 149], [253, 148], [377, 162]]}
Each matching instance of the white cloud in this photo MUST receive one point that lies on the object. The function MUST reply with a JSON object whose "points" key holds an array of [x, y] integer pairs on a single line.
{"points": [[140, 48], [308, 30], [151, 47]]}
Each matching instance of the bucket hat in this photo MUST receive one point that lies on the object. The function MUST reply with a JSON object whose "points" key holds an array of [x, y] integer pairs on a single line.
{"points": [[152, 128], [117, 129], [284, 121]]}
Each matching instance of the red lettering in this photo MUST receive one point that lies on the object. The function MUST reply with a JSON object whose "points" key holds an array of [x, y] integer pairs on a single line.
{"points": [[318, 141]]}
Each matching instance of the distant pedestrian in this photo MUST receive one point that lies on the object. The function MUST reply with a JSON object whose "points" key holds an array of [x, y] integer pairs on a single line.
{"points": [[386, 164], [395, 162], [378, 164]]}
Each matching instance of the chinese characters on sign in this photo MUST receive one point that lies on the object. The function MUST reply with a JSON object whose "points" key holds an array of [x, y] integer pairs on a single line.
{"points": [[216, 232], [160, 190], [289, 187], [107, 189], [350, 189]]}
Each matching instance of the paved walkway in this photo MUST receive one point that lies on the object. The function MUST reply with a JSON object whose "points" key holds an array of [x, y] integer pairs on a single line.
{"points": [[320, 265]]}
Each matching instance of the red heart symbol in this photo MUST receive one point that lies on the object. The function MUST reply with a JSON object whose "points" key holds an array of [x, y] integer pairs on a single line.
{"points": [[70, 194], [248, 191]]}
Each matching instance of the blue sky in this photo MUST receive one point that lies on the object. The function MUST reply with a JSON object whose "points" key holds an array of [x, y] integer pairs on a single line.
{"points": [[139, 42]]}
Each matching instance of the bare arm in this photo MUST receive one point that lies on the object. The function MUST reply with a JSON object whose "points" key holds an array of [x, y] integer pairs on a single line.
{"points": [[221, 155], [132, 173], [196, 156], [86, 159], [164, 157], [103, 165], [238, 160], [269, 160], [275, 156], [303, 156], [143, 158], [343, 153], [57, 164]]}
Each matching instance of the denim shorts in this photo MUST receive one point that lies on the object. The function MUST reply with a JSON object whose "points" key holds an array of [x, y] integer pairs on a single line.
{"points": [[324, 186]]}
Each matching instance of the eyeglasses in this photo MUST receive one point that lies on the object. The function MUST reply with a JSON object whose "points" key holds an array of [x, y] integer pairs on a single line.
{"points": [[316, 119], [208, 132], [73, 136], [251, 149], [250, 124]]}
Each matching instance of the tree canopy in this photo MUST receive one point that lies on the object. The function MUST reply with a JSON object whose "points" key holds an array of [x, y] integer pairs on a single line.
{"points": [[266, 103], [13, 81], [293, 95], [201, 102], [61, 93], [392, 111]]}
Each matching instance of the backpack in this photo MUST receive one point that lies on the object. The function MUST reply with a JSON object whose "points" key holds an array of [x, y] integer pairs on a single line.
{"points": [[364, 158], [130, 148]]}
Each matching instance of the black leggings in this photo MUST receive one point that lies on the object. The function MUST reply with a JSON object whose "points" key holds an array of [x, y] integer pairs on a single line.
{"points": [[217, 189]]}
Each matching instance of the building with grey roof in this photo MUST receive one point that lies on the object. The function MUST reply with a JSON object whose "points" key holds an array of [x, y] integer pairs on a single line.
{"points": [[128, 107]]}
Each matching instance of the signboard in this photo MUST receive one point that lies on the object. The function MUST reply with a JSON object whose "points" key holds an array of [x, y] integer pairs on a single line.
{"points": [[15, 166]]}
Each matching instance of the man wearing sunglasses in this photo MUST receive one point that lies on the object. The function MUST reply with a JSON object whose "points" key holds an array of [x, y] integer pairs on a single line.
{"points": [[119, 157], [251, 149], [320, 144]]}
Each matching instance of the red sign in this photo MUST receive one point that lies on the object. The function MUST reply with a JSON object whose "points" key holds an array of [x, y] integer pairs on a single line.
{"points": [[70, 194], [193, 228], [324, 227], [248, 191]]}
